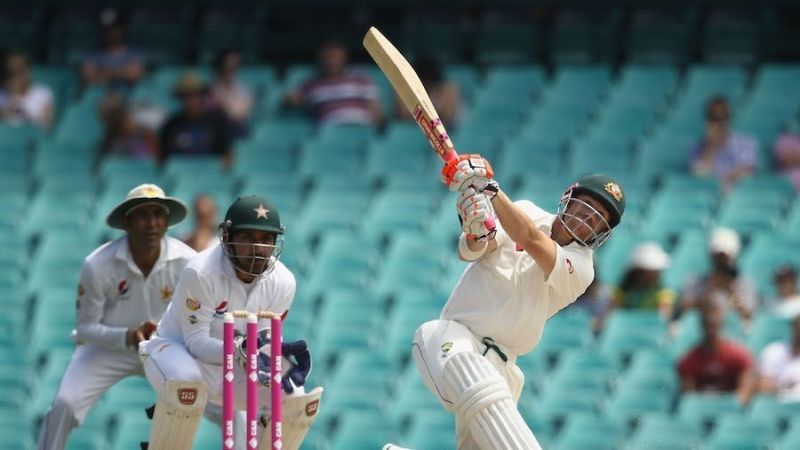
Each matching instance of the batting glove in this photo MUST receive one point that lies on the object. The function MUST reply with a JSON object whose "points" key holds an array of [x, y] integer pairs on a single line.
{"points": [[473, 209], [465, 171]]}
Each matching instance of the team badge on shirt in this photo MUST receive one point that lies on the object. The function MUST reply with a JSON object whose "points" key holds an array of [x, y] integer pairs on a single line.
{"points": [[446, 347], [192, 304], [166, 294]]}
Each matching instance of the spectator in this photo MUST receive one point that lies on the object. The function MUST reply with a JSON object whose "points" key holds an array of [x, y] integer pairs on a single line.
{"points": [[787, 154], [779, 366], [723, 284], [115, 64], [229, 94], [641, 286], [338, 94], [445, 94], [21, 100], [716, 364], [787, 299], [123, 136], [204, 234], [722, 152], [196, 129], [596, 301]]}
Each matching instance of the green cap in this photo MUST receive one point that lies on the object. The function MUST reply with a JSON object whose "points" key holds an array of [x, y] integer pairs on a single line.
{"points": [[606, 191], [253, 212]]}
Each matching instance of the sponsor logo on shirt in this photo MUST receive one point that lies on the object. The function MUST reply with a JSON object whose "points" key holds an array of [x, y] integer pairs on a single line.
{"points": [[187, 396], [193, 319], [192, 304], [122, 290], [221, 309], [570, 269]]}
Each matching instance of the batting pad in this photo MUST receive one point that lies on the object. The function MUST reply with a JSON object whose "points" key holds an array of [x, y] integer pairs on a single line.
{"points": [[299, 412], [178, 412], [484, 404]]}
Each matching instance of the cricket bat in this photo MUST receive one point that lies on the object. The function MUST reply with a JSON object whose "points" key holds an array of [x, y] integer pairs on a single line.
{"points": [[412, 93]]}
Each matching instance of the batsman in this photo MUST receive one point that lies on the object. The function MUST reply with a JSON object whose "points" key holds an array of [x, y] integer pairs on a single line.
{"points": [[521, 273]]}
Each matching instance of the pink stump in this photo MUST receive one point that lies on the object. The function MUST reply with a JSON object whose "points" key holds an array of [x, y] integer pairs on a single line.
{"points": [[252, 382], [276, 340], [227, 382]]}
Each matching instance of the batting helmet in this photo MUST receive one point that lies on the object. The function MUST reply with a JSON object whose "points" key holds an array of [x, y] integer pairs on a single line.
{"points": [[256, 213]]}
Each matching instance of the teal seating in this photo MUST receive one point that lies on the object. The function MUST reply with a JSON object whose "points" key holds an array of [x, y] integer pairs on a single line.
{"points": [[465, 76], [690, 258], [410, 261], [565, 331], [767, 329], [394, 212], [628, 331], [513, 81], [553, 408], [350, 433], [706, 408], [57, 211], [401, 325], [432, 429], [339, 329], [583, 431], [411, 397], [342, 260], [740, 431], [529, 155], [627, 405], [778, 413], [403, 139], [661, 432], [131, 430], [199, 167]]}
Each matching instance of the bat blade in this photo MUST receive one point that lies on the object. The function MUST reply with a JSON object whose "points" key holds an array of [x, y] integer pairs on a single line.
{"points": [[412, 93]]}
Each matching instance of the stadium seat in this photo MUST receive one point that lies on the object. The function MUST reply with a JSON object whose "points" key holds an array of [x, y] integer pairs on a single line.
{"points": [[131, 430], [411, 397], [401, 325], [768, 408], [662, 432], [565, 331], [628, 404], [431, 429], [628, 331], [350, 434], [582, 431], [705, 409], [740, 431]]}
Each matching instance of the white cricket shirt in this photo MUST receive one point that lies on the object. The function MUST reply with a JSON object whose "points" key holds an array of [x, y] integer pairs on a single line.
{"points": [[113, 295], [778, 363], [505, 295], [208, 288]]}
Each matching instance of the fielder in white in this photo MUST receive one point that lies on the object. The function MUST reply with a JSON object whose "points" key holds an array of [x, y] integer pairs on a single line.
{"points": [[183, 360], [521, 274], [125, 287]]}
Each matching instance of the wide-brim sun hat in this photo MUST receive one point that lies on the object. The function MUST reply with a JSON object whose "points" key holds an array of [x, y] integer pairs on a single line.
{"points": [[147, 194], [649, 256]]}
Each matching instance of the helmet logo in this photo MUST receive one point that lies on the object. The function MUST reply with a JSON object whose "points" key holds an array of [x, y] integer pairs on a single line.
{"points": [[261, 211], [614, 190]]}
